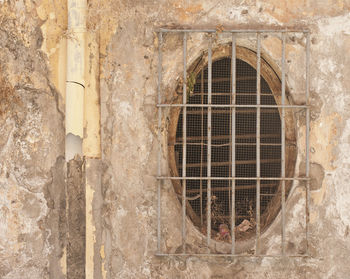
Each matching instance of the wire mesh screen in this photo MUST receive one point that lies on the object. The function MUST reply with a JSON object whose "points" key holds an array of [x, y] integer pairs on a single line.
{"points": [[221, 147], [232, 146]]}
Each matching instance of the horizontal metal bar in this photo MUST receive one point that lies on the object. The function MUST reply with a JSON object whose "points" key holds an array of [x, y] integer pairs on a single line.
{"points": [[233, 178], [220, 79], [238, 112], [222, 137], [231, 106], [166, 30], [236, 217], [227, 144], [238, 187], [239, 94], [238, 162], [233, 256]]}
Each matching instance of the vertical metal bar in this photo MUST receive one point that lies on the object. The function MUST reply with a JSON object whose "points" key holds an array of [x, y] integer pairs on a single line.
{"points": [[233, 142], [184, 143], [159, 89], [202, 147], [307, 147], [283, 139], [258, 92], [209, 144]]}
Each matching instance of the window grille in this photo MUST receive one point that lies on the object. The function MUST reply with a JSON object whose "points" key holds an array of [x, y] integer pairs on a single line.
{"points": [[232, 163]]}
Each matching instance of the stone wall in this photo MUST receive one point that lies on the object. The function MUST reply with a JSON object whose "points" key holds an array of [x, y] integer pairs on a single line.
{"points": [[128, 90], [32, 169], [32, 194]]}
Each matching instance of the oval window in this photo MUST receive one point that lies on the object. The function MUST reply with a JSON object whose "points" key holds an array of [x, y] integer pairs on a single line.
{"points": [[222, 144]]}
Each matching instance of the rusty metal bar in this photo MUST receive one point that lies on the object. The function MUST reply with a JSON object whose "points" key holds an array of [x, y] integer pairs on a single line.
{"points": [[307, 147], [184, 147], [258, 89], [233, 141], [283, 139], [159, 184], [209, 145]]}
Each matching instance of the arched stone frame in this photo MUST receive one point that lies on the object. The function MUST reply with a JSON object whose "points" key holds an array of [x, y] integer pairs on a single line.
{"points": [[271, 77]]}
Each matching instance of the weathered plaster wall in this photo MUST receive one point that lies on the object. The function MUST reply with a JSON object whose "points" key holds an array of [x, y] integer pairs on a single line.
{"points": [[129, 116], [122, 211], [31, 145]]}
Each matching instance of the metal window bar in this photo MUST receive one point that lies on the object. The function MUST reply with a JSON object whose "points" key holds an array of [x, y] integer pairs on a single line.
{"points": [[232, 178], [283, 149], [159, 183], [239, 31], [233, 142], [307, 144], [258, 115], [202, 149], [161, 178], [184, 145], [209, 145], [232, 106]]}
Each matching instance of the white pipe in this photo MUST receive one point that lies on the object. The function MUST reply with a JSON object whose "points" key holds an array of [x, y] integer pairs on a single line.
{"points": [[75, 82]]}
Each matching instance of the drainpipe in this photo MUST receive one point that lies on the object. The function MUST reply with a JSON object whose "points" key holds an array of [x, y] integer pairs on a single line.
{"points": [[83, 138], [75, 179], [75, 82]]}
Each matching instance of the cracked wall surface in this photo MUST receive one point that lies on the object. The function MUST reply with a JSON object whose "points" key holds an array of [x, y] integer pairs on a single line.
{"points": [[33, 201], [31, 182], [129, 122]]}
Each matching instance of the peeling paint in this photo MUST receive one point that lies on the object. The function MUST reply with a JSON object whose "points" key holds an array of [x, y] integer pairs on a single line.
{"points": [[63, 261], [103, 256], [123, 56]]}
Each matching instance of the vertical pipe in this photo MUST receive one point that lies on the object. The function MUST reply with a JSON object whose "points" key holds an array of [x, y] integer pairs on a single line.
{"points": [[184, 143], [307, 147], [258, 89], [159, 89], [209, 144], [77, 259], [233, 142], [283, 139], [75, 78]]}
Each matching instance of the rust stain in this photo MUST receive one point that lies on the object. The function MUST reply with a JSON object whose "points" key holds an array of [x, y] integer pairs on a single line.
{"points": [[8, 97]]}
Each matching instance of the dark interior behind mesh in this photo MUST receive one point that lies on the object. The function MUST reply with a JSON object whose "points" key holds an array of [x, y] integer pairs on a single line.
{"points": [[270, 154]]}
